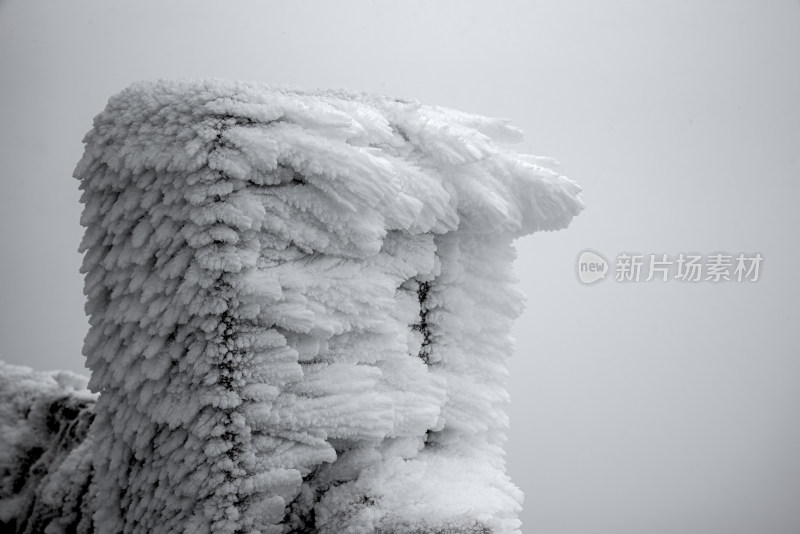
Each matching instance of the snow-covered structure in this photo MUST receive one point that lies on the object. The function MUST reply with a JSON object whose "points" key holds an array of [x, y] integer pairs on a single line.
{"points": [[300, 306]]}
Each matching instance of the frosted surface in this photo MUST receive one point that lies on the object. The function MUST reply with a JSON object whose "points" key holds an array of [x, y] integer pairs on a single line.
{"points": [[300, 306]]}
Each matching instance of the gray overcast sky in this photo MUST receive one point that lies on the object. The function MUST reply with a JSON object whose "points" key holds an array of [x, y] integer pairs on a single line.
{"points": [[658, 407]]}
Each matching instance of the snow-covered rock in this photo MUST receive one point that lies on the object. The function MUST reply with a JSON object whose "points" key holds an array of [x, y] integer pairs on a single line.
{"points": [[45, 463]]}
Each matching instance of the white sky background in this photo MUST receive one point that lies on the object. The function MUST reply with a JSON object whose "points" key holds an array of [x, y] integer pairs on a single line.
{"points": [[656, 408]]}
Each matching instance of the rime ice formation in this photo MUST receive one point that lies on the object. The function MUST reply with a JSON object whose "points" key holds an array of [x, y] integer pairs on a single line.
{"points": [[44, 465], [300, 306]]}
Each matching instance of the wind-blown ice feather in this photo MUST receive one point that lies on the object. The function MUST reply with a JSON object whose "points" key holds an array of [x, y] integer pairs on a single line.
{"points": [[300, 306]]}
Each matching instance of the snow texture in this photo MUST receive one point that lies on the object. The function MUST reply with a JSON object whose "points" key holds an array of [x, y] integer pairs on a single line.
{"points": [[300, 306]]}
